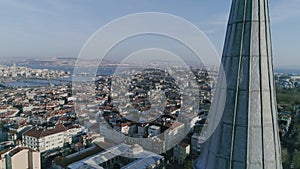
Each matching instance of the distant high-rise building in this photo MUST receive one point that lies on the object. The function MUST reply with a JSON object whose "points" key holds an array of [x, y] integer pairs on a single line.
{"points": [[247, 135]]}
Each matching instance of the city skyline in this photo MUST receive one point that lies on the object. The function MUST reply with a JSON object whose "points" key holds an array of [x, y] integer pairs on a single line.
{"points": [[60, 29], [149, 84]]}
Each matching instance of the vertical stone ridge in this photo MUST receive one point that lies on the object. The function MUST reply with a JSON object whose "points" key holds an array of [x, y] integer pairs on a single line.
{"points": [[261, 82]]}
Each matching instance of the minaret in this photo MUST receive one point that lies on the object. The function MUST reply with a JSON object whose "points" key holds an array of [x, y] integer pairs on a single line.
{"points": [[247, 135]]}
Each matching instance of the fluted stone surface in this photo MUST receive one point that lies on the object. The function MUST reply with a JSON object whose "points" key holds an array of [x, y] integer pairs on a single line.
{"points": [[247, 136]]}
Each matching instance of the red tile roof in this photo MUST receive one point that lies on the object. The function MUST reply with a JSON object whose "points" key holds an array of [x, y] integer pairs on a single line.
{"points": [[39, 132]]}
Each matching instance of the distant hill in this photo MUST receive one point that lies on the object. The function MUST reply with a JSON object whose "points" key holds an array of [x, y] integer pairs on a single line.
{"points": [[289, 67]]}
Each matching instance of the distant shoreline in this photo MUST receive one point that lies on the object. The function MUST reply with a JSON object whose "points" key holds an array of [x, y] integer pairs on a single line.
{"points": [[287, 70]]}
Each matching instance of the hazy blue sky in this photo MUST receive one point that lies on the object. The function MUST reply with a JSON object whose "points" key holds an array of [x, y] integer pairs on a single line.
{"points": [[59, 28]]}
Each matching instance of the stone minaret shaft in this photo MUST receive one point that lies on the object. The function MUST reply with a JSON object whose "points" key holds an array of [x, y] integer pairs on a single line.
{"points": [[247, 136]]}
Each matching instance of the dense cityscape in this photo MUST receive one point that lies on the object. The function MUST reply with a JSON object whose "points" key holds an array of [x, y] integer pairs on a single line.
{"points": [[40, 124]]}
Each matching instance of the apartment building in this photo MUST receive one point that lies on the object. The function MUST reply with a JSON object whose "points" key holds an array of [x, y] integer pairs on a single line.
{"points": [[20, 158]]}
